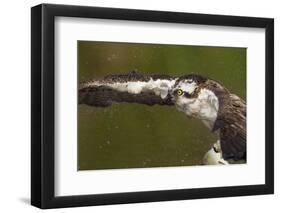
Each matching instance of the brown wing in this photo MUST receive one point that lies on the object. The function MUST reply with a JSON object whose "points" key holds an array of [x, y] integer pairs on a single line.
{"points": [[131, 88], [232, 124]]}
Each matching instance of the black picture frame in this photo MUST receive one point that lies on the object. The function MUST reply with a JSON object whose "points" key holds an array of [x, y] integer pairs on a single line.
{"points": [[43, 117]]}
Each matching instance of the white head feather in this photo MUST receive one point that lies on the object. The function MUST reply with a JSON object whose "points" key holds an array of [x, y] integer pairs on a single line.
{"points": [[204, 106]]}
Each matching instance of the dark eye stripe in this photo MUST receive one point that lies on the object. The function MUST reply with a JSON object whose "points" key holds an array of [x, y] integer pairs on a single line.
{"points": [[175, 93], [187, 95], [194, 94]]}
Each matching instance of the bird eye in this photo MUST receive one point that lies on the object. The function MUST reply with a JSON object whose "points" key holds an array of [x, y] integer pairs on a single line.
{"points": [[179, 92]]}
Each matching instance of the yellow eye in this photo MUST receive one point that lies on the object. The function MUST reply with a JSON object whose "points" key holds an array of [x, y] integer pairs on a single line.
{"points": [[179, 92]]}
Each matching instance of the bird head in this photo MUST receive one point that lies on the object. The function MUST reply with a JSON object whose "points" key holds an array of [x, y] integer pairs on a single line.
{"points": [[187, 89], [192, 95]]}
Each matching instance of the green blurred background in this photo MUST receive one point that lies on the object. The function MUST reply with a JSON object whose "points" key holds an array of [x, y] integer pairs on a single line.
{"points": [[134, 135]]}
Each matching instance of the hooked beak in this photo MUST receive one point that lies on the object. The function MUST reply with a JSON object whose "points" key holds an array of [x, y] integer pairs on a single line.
{"points": [[170, 96]]}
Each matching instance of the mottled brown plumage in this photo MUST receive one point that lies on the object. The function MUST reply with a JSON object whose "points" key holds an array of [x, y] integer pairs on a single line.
{"points": [[97, 93], [103, 96], [230, 122]]}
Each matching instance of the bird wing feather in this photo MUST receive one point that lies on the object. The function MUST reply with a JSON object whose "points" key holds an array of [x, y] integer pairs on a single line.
{"points": [[131, 88], [232, 124]]}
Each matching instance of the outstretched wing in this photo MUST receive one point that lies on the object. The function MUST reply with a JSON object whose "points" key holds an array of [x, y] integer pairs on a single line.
{"points": [[233, 128], [131, 88]]}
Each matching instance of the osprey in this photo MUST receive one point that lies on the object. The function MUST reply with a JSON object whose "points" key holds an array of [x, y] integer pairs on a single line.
{"points": [[194, 95]]}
